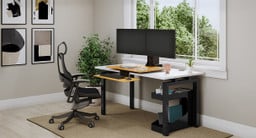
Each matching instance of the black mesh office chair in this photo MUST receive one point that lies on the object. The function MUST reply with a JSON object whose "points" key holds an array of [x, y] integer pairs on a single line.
{"points": [[80, 96]]}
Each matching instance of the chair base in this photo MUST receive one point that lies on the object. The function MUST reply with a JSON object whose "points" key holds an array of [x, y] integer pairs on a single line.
{"points": [[76, 114]]}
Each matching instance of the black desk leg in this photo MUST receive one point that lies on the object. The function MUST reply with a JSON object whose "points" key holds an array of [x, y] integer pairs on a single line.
{"points": [[194, 105], [196, 99], [165, 105], [103, 97], [131, 94]]}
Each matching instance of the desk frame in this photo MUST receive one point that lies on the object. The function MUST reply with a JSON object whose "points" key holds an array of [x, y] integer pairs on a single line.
{"points": [[193, 117]]}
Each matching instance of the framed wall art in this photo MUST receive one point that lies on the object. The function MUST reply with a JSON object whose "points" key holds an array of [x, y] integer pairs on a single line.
{"points": [[13, 46], [42, 12], [13, 11], [42, 45]]}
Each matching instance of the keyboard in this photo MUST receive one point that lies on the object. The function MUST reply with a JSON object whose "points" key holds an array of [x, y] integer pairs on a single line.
{"points": [[113, 75]]}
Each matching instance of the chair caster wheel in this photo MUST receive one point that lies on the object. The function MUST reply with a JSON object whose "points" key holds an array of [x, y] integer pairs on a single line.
{"points": [[51, 121], [61, 127], [97, 118], [91, 124]]}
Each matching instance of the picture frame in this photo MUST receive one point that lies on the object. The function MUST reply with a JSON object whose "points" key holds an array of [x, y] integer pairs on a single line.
{"points": [[14, 12], [42, 12], [42, 45], [13, 46]]}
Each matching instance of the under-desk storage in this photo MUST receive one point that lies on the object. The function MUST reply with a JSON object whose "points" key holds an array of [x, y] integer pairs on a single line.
{"points": [[174, 95], [181, 122], [188, 99]]}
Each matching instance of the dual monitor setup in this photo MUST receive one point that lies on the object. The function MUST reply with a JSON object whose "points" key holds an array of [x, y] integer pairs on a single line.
{"points": [[153, 43]]}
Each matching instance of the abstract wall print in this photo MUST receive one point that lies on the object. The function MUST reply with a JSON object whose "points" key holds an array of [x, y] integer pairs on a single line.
{"points": [[13, 46], [42, 45], [42, 11], [13, 11]]}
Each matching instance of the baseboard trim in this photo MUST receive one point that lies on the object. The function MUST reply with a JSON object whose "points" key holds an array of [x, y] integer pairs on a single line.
{"points": [[240, 130], [31, 100]]}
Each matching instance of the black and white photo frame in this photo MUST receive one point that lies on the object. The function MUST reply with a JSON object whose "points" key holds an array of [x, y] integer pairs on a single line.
{"points": [[42, 45], [43, 12], [13, 12], [13, 46]]}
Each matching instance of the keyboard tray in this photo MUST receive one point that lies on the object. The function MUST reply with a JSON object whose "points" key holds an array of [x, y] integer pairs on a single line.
{"points": [[113, 75]]}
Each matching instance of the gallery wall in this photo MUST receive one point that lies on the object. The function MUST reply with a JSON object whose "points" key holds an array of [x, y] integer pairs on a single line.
{"points": [[73, 19], [232, 99]]}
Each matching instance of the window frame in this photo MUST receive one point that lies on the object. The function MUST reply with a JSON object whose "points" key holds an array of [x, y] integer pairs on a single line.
{"points": [[213, 69]]}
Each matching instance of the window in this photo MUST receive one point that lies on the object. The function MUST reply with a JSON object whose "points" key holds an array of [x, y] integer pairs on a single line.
{"points": [[200, 29]]}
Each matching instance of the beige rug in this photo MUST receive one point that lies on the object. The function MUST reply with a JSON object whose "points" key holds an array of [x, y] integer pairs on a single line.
{"points": [[121, 122]]}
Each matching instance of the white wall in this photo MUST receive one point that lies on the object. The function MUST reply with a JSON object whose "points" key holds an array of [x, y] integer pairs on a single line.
{"points": [[107, 15], [234, 99], [231, 99], [73, 19]]}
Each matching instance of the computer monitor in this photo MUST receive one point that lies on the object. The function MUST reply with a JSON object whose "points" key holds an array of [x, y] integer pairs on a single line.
{"points": [[131, 41], [160, 43], [153, 43]]}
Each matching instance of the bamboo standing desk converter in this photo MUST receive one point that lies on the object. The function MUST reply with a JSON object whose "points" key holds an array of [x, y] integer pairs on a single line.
{"points": [[136, 68], [128, 68]]}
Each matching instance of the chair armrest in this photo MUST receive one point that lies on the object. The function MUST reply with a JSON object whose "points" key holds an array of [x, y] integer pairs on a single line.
{"points": [[73, 95], [81, 80], [76, 75]]}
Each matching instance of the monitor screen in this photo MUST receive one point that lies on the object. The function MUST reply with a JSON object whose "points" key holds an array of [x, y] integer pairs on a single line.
{"points": [[153, 43], [161, 43], [131, 41]]}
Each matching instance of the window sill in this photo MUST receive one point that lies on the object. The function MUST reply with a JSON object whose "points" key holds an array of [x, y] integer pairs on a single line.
{"points": [[211, 70]]}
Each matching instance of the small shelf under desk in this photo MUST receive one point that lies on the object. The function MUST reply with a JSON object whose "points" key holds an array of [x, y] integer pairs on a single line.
{"points": [[175, 95], [178, 124]]}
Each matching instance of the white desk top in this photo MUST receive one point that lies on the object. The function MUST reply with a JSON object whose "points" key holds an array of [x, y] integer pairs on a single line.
{"points": [[174, 73]]}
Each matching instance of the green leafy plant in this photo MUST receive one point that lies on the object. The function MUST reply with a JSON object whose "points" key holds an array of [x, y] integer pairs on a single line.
{"points": [[95, 52], [190, 62]]}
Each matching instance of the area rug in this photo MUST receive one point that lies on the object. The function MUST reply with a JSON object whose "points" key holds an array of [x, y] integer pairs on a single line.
{"points": [[121, 122]]}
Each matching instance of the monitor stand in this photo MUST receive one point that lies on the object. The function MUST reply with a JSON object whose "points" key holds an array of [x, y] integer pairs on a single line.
{"points": [[152, 61]]}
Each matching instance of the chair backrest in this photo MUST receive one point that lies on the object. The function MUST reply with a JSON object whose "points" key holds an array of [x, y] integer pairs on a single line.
{"points": [[71, 88], [64, 74]]}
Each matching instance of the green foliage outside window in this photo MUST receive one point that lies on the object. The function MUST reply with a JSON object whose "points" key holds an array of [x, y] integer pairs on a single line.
{"points": [[208, 43], [181, 18], [142, 15]]}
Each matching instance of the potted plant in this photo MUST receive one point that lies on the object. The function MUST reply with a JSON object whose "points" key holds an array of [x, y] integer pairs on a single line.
{"points": [[95, 52], [190, 64]]}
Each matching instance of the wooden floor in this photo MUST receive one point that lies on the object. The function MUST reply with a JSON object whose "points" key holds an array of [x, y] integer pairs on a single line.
{"points": [[14, 124]]}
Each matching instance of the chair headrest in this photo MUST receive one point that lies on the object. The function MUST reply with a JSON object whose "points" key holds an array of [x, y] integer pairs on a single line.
{"points": [[65, 48]]}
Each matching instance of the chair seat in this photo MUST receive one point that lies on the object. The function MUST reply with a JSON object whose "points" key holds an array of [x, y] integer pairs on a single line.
{"points": [[88, 92]]}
